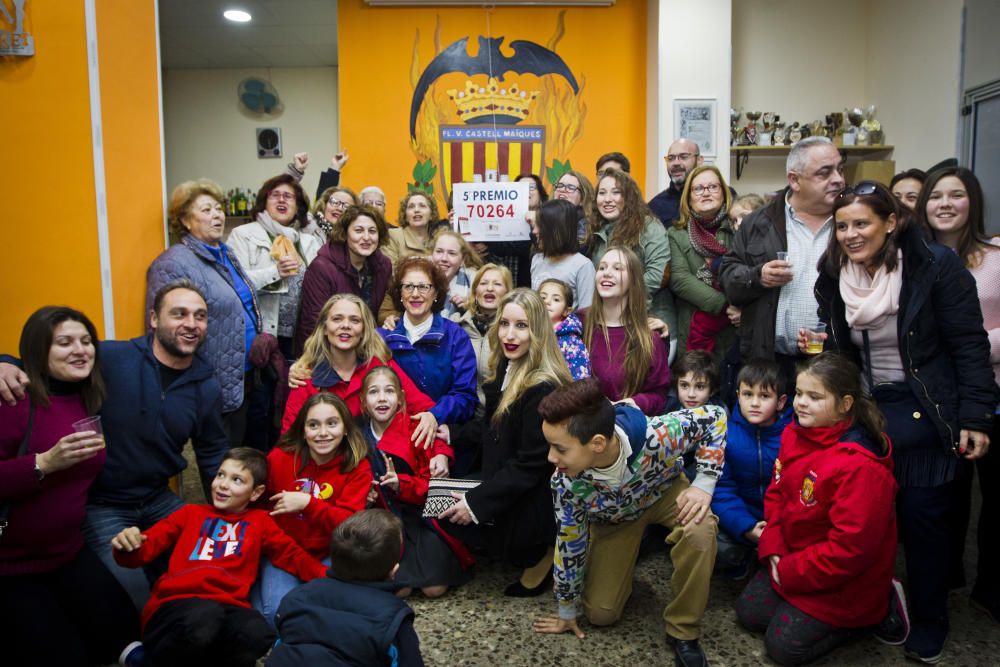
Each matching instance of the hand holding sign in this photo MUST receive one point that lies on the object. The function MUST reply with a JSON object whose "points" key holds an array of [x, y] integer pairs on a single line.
{"points": [[492, 211]]}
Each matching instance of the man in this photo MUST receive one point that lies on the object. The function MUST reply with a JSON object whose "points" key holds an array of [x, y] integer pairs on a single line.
{"points": [[613, 160], [160, 394], [682, 157], [777, 295], [374, 197]]}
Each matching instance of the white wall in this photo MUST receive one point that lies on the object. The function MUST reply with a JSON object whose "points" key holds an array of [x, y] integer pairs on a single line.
{"points": [[982, 48], [206, 134]]}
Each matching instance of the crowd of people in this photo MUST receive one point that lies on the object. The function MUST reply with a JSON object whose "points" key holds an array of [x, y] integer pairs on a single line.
{"points": [[782, 387]]}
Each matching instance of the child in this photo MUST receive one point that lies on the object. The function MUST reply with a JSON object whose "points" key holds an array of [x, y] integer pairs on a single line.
{"points": [[742, 206], [318, 475], [751, 447], [431, 561], [558, 296], [352, 616], [198, 612], [559, 256], [829, 544], [696, 382], [618, 472]]}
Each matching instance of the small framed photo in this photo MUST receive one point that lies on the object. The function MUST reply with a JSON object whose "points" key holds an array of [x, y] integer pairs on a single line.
{"points": [[695, 119]]}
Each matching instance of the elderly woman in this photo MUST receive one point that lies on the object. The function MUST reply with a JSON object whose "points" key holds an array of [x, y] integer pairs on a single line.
{"points": [[351, 262], [417, 218], [699, 239], [909, 312], [59, 605], [197, 217]]}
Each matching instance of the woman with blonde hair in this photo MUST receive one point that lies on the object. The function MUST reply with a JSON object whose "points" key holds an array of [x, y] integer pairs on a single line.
{"points": [[629, 360], [458, 261], [513, 506], [327, 211]]}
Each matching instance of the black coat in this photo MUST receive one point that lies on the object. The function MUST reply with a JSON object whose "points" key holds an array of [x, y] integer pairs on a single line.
{"points": [[942, 341]]}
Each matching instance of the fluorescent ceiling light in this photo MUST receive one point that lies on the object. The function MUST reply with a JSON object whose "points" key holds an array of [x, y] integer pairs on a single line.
{"points": [[237, 15]]}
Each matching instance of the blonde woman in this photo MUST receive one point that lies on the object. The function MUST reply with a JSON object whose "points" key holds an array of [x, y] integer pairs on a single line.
{"points": [[458, 262], [327, 211], [513, 506]]}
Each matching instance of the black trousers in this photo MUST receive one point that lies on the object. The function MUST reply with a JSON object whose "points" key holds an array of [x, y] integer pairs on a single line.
{"points": [[203, 633], [75, 615], [924, 515]]}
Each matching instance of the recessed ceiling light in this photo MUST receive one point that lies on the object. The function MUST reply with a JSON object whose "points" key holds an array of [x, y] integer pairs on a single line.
{"points": [[237, 15]]}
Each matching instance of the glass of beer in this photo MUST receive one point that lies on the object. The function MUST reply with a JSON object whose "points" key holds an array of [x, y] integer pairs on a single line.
{"points": [[816, 335]]}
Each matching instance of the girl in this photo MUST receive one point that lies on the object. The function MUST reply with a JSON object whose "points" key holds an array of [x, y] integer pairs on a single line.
{"points": [[557, 296], [317, 475], [400, 485], [742, 206], [557, 228], [625, 356], [829, 542], [457, 261]]}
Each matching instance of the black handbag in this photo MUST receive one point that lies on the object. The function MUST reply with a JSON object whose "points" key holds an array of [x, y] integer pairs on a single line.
{"points": [[21, 450]]}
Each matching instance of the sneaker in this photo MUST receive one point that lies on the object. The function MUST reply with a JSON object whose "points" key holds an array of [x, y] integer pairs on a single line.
{"points": [[926, 643], [133, 655], [895, 627]]}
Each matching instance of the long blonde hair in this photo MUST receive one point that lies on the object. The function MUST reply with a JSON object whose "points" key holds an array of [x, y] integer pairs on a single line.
{"points": [[543, 362], [638, 339], [317, 347]]}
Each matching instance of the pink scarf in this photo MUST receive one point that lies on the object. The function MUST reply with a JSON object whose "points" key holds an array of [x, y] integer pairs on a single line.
{"points": [[870, 300]]}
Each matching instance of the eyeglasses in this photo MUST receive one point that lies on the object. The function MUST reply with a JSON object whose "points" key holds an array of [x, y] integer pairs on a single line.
{"points": [[532, 187], [375, 203], [861, 189], [283, 196], [337, 204], [683, 157], [711, 188], [419, 288], [565, 187]]}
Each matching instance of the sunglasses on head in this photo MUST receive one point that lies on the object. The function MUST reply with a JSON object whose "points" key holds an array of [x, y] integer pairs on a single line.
{"points": [[861, 189]]}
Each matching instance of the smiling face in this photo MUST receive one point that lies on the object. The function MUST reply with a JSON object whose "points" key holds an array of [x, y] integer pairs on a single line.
{"points": [[817, 187], [612, 275], [447, 255], [861, 233], [323, 431], [233, 488], [417, 294], [610, 199], [907, 191], [555, 301], [362, 237], [760, 405], [815, 405], [570, 456], [706, 196], [490, 290], [181, 324], [948, 205], [344, 325], [693, 391], [514, 332], [205, 219], [336, 205], [72, 353], [382, 398], [281, 205], [418, 212], [682, 157], [568, 188]]}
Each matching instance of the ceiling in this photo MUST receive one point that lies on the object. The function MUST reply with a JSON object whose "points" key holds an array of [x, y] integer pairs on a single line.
{"points": [[283, 33]]}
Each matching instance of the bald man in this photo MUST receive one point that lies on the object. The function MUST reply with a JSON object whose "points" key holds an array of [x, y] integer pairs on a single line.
{"points": [[682, 157]]}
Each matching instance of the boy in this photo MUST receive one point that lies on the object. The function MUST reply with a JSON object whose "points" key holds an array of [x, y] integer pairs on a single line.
{"points": [[696, 381], [616, 474], [352, 616], [199, 612], [752, 445]]}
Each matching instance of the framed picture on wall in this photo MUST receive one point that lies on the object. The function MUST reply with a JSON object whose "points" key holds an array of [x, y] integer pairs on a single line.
{"points": [[694, 119]]}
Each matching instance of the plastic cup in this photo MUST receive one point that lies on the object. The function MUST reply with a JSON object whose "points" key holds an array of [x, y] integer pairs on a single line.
{"points": [[815, 336], [782, 256], [89, 424]]}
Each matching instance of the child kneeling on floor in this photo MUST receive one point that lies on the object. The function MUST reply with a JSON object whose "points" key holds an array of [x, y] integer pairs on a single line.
{"points": [[199, 611], [829, 544], [351, 617]]}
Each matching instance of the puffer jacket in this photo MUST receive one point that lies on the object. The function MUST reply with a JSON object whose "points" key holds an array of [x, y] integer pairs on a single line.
{"points": [[942, 342], [757, 242], [225, 344]]}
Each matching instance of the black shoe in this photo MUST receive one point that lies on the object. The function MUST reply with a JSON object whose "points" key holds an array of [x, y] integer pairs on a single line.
{"points": [[519, 590], [687, 653], [926, 642], [895, 627]]}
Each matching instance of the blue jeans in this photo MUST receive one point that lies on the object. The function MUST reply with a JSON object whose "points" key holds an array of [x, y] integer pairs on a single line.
{"points": [[273, 584], [104, 521]]}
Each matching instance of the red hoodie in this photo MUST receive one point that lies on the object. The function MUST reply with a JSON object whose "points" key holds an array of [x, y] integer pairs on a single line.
{"points": [[831, 518], [216, 555], [335, 495], [395, 440]]}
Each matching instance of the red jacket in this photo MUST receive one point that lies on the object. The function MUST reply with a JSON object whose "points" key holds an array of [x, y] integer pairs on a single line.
{"points": [[396, 441], [216, 556], [831, 518], [335, 495], [331, 272]]}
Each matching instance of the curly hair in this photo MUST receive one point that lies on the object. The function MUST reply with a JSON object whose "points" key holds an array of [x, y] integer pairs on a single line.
{"points": [[182, 199], [631, 222], [401, 218], [419, 263], [319, 209]]}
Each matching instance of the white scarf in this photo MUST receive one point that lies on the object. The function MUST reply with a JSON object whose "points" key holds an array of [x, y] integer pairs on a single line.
{"points": [[870, 300], [268, 223]]}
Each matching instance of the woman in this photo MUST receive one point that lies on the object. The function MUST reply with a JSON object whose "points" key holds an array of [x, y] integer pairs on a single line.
{"points": [[418, 216], [629, 360], [620, 217], [906, 187], [558, 257], [456, 259], [952, 207], [197, 217], [275, 252], [327, 211], [575, 188], [59, 605], [513, 505], [908, 311], [433, 351], [699, 239], [350, 263]]}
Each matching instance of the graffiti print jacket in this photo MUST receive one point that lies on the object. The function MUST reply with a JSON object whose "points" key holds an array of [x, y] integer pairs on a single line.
{"points": [[658, 446]]}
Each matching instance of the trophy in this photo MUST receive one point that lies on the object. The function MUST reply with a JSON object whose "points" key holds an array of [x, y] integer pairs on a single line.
{"points": [[794, 133], [834, 126], [765, 134], [817, 129], [779, 133], [872, 127], [751, 128], [734, 121], [854, 116]]}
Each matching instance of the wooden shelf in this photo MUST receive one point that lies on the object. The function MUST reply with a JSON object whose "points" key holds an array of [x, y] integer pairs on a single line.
{"points": [[742, 153]]}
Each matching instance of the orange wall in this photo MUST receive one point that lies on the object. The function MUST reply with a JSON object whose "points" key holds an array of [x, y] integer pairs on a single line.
{"points": [[605, 49]]}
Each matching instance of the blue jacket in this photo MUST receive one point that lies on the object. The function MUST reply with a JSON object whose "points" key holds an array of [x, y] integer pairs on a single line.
{"points": [[331, 621], [225, 346], [750, 453], [442, 364]]}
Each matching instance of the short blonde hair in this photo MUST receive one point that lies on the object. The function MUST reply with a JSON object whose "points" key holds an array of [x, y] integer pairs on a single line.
{"points": [[182, 198]]}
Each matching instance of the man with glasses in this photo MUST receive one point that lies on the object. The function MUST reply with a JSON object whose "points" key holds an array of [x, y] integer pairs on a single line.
{"points": [[373, 196], [682, 157], [770, 270]]}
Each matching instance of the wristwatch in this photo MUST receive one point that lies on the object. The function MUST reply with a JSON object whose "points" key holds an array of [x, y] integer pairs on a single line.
{"points": [[38, 471]]}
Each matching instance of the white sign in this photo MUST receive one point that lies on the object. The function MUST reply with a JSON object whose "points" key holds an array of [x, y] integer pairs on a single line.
{"points": [[491, 211], [15, 42]]}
